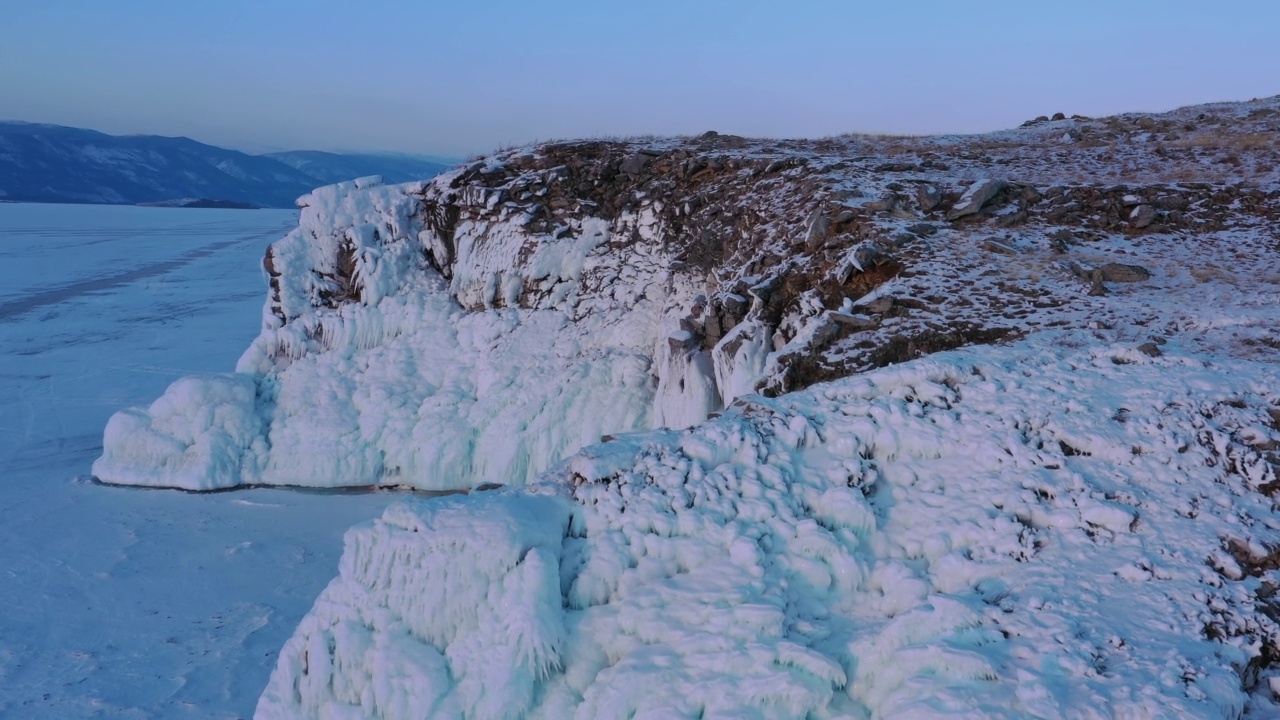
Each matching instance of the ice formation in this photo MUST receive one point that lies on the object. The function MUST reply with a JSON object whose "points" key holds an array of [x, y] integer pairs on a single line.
{"points": [[1033, 531], [371, 371]]}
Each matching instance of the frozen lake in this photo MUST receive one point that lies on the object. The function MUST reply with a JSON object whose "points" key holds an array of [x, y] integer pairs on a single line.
{"points": [[123, 603]]}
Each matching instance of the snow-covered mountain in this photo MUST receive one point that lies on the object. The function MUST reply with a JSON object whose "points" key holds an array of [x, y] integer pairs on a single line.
{"points": [[980, 426], [51, 163]]}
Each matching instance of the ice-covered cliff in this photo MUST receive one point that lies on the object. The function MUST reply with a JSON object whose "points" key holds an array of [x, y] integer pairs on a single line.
{"points": [[479, 327], [860, 427]]}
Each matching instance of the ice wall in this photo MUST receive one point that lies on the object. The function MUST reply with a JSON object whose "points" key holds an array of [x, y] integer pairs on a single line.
{"points": [[470, 627], [1003, 532], [373, 368]]}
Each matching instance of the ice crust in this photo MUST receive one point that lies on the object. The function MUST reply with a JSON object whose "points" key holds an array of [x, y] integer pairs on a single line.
{"points": [[404, 386], [995, 532]]}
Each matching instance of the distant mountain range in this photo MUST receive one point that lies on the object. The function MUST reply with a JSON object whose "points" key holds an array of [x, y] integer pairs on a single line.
{"points": [[52, 163]]}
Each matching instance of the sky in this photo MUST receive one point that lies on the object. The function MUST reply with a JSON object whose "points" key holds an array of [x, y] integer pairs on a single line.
{"points": [[461, 78]]}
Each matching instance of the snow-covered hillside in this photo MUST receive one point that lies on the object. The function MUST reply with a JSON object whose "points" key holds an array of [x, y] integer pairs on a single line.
{"points": [[52, 163], [1070, 516]]}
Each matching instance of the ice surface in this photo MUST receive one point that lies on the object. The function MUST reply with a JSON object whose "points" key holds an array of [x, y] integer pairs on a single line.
{"points": [[118, 603], [996, 532]]}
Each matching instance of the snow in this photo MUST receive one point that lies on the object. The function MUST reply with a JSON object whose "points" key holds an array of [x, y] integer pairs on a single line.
{"points": [[994, 532], [119, 603]]}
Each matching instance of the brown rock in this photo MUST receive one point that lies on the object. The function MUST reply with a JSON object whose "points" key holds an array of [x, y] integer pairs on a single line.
{"points": [[999, 247], [853, 322], [1119, 272], [928, 197]]}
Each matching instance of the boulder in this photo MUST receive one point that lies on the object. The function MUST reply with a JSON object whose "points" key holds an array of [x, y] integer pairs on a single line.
{"points": [[928, 197], [634, 164], [978, 194], [1142, 216]]}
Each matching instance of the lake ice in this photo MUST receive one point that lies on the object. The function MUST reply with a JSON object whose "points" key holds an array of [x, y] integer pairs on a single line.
{"points": [[122, 603]]}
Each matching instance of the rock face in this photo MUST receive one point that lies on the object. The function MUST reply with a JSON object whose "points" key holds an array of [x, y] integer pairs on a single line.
{"points": [[859, 549]]}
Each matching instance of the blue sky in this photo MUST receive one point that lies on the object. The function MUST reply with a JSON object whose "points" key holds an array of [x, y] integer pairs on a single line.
{"points": [[455, 78]]}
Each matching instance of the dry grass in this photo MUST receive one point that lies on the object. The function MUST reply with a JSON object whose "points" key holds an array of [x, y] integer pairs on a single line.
{"points": [[1244, 142], [1210, 272], [863, 136]]}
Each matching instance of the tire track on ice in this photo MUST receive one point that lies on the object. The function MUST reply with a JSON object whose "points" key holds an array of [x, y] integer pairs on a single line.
{"points": [[73, 290]]}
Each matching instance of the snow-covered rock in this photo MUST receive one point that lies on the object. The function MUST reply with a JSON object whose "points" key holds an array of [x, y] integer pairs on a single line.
{"points": [[997, 532]]}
